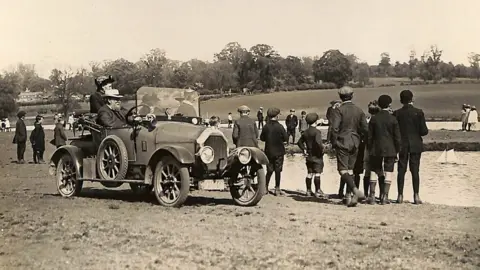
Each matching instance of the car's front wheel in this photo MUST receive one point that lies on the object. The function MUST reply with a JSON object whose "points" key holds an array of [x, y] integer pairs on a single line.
{"points": [[248, 184], [66, 177], [171, 182]]}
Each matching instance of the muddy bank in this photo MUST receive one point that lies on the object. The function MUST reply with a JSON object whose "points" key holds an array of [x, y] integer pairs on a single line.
{"points": [[115, 229]]}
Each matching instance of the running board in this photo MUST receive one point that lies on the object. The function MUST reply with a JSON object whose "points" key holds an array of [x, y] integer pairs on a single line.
{"points": [[113, 181]]}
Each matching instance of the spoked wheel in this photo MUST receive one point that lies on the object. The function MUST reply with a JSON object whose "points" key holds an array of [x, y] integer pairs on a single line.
{"points": [[247, 185], [171, 182], [141, 189], [112, 161], [66, 176]]}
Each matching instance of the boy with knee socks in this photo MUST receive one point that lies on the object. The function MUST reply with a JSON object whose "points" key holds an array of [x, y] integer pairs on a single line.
{"points": [[311, 144], [384, 146]]}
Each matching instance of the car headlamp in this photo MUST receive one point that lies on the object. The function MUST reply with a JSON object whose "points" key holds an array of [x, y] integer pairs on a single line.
{"points": [[206, 154], [244, 156], [194, 121]]}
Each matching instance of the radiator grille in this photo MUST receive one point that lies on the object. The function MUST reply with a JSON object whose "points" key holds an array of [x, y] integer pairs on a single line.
{"points": [[219, 146]]}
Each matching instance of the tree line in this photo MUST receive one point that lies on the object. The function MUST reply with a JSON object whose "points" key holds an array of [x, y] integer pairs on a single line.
{"points": [[235, 69]]}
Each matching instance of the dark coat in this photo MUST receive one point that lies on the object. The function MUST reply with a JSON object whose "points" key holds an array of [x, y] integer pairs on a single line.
{"points": [[274, 135], [383, 135], [412, 127], [37, 137], [20, 132], [245, 132], [311, 140], [260, 116], [291, 122], [110, 119], [59, 136], [329, 113], [96, 102], [348, 127]]}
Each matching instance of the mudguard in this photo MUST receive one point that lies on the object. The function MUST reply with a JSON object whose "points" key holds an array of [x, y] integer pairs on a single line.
{"points": [[180, 153], [75, 152], [258, 155]]}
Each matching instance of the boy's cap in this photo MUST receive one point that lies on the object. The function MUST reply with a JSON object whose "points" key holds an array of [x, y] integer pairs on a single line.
{"points": [[384, 101], [273, 112], [311, 118]]}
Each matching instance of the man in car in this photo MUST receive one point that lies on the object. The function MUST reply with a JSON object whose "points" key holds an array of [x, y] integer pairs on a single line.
{"points": [[96, 100], [111, 114]]}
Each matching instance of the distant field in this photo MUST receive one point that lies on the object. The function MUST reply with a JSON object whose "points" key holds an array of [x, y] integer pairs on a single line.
{"points": [[441, 101], [437, 101]]}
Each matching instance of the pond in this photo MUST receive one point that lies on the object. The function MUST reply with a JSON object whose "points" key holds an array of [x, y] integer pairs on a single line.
{"points": [[447, 184]]}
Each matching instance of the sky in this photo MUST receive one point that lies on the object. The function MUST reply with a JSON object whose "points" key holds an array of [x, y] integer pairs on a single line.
{"points": [[72, 33]]}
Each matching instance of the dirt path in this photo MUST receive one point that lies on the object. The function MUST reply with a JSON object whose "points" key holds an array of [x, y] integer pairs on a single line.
{"points": [[114, 229]]}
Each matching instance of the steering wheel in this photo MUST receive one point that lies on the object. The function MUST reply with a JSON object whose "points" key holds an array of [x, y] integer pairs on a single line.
{"points": [[130, 113]]}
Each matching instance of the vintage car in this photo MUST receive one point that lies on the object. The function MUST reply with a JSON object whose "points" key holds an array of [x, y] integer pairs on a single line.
{"points": [[158, 153]]}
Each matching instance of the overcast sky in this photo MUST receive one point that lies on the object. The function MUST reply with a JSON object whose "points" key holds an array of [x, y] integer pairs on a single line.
{"points": [[61, 33]]}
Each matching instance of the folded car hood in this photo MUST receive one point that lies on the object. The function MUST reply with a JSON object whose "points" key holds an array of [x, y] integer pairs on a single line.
{"points": [[172, 132]]}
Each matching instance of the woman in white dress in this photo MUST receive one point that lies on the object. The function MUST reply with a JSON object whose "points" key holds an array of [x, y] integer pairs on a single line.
{"points": [[472, 118]]}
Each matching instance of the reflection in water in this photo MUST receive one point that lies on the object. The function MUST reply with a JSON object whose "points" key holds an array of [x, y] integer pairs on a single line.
{"points": [[440, 183]]}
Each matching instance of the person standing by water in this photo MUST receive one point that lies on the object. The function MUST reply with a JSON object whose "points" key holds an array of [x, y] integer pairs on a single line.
{"points": [[260, 118], [464, 117], [291, 122], [20, 137], [413, 127], [348, 128], [37, 139], [245, 132], [302, 123], [472, 118], [311, 144], [275, 136], [384, 145], [59, 136]]}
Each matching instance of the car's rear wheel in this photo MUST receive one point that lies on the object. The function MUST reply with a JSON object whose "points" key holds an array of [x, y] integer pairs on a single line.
{"points": [[66, 177], [112, 160], [141, 189], [171, 182], [247, 185]]}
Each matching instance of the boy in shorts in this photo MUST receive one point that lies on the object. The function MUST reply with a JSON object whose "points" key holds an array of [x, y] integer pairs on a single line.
{"points": [[383, 145], [312, 146]]}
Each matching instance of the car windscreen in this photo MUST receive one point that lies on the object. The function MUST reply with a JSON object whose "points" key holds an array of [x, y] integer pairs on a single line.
{"points": [[168, 101]]}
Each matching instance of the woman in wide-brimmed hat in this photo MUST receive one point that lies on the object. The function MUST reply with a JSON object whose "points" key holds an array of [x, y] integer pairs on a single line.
{"points": [[472, 118]]}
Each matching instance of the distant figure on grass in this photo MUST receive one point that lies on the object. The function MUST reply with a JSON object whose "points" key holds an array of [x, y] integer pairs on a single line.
{"points": [[260, 118], [245, 132], [465, 110], [348, 128], [230, 120], [71, 120], [59, 136], [291, 122], [311, 144], [384, 146], [20, 138], [37, 139], [302, 123], [472, 118], [275, 136], [412, 128]]}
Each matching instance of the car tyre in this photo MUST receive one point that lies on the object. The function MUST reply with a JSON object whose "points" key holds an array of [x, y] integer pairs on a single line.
{"points": [[255, 188], [66, 177], [112, 160], [171, 182]]}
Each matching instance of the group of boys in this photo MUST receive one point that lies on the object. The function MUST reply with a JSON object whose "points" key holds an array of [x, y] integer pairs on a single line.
{"points": [[378, 141]]}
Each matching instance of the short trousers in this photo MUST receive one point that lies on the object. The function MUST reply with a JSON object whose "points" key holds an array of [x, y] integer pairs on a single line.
{"points": [[275, 164], [346, 159], [378, 164], [291, 131], [360, 162], [315, 166]]}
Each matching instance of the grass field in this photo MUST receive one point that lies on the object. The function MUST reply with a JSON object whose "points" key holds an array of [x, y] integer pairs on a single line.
{"points": [[437, 101], [442, 101]]}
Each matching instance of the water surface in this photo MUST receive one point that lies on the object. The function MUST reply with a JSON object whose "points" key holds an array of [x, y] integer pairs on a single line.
{"points": [[457, 185]]}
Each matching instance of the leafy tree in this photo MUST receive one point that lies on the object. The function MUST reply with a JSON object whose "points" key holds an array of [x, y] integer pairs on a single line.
{"points": [[474, 60], [10, 84], [333, 67], [384, 64], [67, 85]]}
